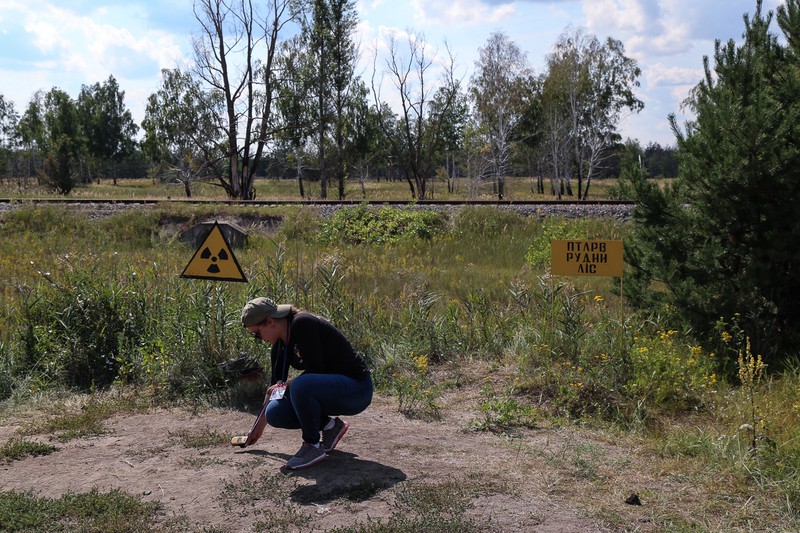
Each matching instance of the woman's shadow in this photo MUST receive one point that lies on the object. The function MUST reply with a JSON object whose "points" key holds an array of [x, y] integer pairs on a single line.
{"points": [[341, 475]]}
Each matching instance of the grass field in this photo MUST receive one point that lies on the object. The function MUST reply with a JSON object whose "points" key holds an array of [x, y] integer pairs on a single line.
{"points": [[96, 303], [518, 189]]}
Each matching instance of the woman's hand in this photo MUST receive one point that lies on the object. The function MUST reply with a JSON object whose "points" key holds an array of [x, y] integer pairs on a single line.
{"points": [[278, 386]]}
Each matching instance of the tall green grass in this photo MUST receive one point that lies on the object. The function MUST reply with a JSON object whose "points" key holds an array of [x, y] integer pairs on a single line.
{"points": [[93, 303]]}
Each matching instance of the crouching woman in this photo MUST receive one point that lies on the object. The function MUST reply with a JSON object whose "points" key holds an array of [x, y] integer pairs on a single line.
{"points": [[335, 380]]}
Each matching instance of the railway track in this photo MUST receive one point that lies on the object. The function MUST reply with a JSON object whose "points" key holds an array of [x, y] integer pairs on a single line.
{"points": [[440, 203]]}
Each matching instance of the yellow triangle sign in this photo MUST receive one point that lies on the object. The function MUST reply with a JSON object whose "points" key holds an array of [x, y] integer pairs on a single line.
{"points": [[214, 259]]}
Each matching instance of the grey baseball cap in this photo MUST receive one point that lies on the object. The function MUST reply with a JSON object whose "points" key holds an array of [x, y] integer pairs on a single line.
{"points": [[259, 309]]}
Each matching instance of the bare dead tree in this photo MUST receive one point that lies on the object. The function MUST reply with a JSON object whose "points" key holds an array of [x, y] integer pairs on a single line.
{"points": [[419, 135], [234, 53]]}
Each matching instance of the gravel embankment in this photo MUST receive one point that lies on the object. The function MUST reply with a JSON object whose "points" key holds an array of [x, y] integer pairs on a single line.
{"points": [[620, 212]]}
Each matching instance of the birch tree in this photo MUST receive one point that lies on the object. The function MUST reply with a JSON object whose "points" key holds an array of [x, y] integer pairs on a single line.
{"points": [[497, 88], [598, 82]]}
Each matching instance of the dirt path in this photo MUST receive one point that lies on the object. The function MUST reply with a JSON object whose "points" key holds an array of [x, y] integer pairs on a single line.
{"points": [[547, 480]]}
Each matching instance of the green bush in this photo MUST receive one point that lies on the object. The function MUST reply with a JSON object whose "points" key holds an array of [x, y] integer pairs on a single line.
{"points": [[384, 225], [670, 374], [539, 252], [87, 321]]}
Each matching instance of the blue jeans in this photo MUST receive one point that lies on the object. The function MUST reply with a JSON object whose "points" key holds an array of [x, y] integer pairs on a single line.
{"points": [[312, 398]]}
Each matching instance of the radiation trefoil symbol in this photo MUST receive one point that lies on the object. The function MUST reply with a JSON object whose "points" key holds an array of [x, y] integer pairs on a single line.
{"points": [[214, 260], [213, 268]]}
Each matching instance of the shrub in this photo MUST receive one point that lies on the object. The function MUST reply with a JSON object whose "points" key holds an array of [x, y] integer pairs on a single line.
{"points": [[379, 226], [87, 321], [539, 253], [669, 373]]}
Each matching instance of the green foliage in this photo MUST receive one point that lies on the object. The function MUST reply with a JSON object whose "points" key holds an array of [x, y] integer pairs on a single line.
{"points": [[118, 312], [300, 224], [112, 512], [668, 374], [504, 412], [16, 449], [588, 362], [484, 222], [722, 240], [6, 372], [87, 422], [43, 220], [415, 390], [384, 225], [77, 332], [539, 253]]}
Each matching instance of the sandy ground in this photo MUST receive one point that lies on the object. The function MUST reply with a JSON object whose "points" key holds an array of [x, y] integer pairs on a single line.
{"points": [[546, 480]]}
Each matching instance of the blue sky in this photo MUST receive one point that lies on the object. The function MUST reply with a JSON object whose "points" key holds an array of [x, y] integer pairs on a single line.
{"points": [[71, 43]]}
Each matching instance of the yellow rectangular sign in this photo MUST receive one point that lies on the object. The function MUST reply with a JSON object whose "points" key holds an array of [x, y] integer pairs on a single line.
{"points": [[587, 258]]}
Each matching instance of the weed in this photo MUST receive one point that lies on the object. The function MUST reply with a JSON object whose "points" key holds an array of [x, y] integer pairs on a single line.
{"points": [[670, 374], [408, 378], [358, 491], [554, 228], [250, 488], [585, 460], [416, 398], [275, 489], [439, 507], [112, 512], [751, 370], [16, 449], [404, 523], [205, 438], [88, 422], [198, 463], [503, 412]]}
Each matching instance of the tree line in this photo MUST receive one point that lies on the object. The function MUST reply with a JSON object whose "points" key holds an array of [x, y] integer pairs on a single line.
{"points": [[276, 91]]}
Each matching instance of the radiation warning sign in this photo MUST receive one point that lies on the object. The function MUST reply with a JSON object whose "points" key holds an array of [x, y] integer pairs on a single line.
{"points": [[214, 260]]}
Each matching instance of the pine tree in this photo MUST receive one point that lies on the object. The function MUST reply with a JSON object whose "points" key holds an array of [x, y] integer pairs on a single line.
{"points": [[721, 244]]}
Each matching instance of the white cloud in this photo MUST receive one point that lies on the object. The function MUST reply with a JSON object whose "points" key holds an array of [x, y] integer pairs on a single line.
{"points": [[460, 12], [47, 36], [78, 43], [659, 75], [647, 27]]}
